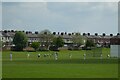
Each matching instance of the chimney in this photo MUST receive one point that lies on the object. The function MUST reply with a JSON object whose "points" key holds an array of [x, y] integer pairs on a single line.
{"points": [[88, 34], [5, 31], [8, 30], [111, 35], [54, 33], [58, 33], [12, 30], [72, 33], [96, 34], [84, 34], [118, 34], [62, 33], [69, 34], [103, 34], [27, 32], [65, 33], [36, 32]]}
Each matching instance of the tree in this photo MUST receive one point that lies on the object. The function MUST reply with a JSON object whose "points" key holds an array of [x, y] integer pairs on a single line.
{"points": [[58, 42], [90, 43], [20, 41], [35, 45], [45, 38], [78, 40]]}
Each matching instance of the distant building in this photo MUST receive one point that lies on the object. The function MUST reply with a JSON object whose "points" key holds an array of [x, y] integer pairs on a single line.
{"points": [[115, 40], [103, 40], [7, 39], [100, 39]]}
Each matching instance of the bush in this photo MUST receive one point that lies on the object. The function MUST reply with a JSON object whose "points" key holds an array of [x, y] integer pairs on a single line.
{"points": [[53, 48], [35, 45]]}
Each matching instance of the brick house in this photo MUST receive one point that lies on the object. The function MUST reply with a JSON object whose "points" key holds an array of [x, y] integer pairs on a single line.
{"points": [[103, 40], [115, 40]]}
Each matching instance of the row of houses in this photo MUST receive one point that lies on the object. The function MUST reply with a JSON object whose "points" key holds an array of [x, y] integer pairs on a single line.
{"points": [[103, 40]]}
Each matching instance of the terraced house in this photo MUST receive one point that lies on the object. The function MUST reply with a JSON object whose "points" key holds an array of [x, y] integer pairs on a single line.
{"points": [[8, 35]]}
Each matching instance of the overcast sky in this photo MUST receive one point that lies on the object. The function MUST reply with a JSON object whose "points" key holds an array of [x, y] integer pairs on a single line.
{"points": [[92, 17]]}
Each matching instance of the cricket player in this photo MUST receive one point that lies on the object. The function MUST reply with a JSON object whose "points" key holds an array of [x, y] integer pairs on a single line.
{"points": [[108, 56], [84, 56], [70, 55], [28, 55], [56, 55], [38, 55], [10, 56], [101, 56]]}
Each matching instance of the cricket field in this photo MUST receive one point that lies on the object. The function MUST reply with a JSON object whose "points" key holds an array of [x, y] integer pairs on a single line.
{"points": [[32, 66]]}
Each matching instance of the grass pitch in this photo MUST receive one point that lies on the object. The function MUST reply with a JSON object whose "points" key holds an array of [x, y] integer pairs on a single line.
{"points": [[64, 67]]}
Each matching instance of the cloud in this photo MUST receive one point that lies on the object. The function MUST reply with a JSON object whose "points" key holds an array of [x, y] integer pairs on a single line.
{"points": [[24, 13], [0, 16], [62, 16], [74, 7], [23, 0], [60, 0]]}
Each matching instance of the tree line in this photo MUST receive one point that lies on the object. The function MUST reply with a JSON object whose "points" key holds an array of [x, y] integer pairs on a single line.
{"points": [[48, 41]]}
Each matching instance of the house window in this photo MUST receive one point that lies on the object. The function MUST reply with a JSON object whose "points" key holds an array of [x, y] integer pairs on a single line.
{"points": [[67, 40]]}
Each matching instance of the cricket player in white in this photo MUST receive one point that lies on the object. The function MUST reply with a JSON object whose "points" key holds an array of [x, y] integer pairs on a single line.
{"points": [[84, 56], [101, 56], [70, 55], [10, 56], [108, 56], [28, 55], [56, 56], [38, 55]]}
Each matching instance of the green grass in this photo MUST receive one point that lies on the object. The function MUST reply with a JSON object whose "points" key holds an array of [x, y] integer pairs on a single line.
{"points": [[64, 67]]}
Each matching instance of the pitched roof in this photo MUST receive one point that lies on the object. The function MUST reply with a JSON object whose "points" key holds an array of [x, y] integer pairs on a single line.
{"points": [[32, 35]]}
